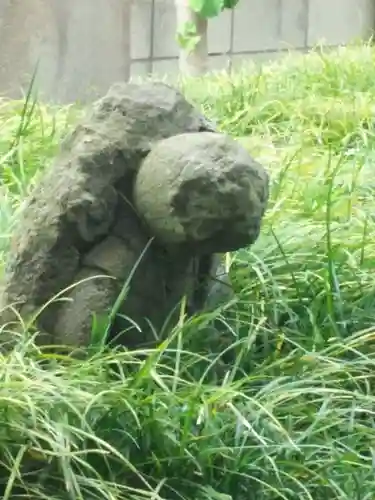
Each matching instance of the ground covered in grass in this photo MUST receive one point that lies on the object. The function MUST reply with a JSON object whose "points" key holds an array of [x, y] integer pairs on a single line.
{"points": [[284, 407]]}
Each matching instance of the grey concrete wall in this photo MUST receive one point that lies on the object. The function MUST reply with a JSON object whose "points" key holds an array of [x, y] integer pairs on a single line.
{"points": [[80, 47], [256, 30]]}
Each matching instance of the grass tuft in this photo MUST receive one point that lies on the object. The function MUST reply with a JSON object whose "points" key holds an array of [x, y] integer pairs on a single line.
{"points": [[281, 406]]}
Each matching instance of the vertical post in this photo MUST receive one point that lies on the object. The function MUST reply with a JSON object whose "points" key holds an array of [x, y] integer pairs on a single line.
{"points": [[125, 37], [307, 22], [231, 42], [152, 39], [195, 62]]}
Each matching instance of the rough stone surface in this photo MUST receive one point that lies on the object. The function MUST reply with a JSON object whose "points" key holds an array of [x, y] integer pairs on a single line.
{"points": [[83, 234], [202, 189]]}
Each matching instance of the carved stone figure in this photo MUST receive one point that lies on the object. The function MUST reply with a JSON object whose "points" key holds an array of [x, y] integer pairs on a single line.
{"points": [[144, 193]]}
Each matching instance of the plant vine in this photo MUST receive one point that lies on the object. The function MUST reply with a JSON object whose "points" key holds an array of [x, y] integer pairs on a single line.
{"points": [[187, 36]]}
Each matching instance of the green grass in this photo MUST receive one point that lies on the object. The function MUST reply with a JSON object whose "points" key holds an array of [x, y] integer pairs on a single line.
{"points": [[282, 406]]}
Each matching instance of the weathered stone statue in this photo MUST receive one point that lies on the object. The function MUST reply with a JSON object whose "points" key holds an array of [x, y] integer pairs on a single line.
{"points": [[143, 190]]}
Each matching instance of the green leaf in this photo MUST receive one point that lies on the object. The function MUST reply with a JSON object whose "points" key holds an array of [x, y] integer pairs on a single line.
{"points": [[98, 337], [207, 8], [230, 4], [187, 37]]}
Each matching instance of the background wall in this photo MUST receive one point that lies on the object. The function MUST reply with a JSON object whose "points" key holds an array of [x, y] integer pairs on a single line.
{"points": [[80, 47]]}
